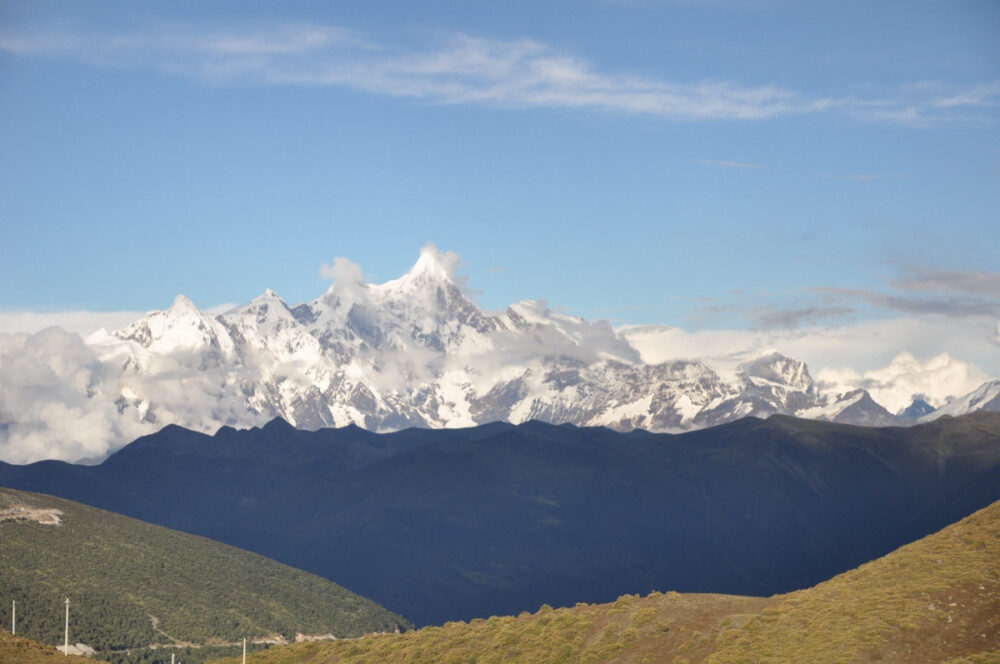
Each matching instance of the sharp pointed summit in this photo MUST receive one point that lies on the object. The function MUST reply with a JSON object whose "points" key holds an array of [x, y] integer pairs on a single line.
{"points": [[182, 327], [434, 264], [266, 296], [181, 305], [433, 267]]}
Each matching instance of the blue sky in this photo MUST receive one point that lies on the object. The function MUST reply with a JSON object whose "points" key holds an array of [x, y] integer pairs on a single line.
{"points": [[773, 166]]}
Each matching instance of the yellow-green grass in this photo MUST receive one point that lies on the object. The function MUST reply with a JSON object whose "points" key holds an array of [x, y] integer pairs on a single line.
{"points": [[20, 650], [634, 628], [936, 600]]}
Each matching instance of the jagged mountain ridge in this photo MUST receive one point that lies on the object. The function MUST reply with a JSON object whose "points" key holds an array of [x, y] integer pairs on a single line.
{"points": [[416, 351]]}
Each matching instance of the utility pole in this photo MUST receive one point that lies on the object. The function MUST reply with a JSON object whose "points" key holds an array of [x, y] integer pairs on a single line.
{"points": [[244, 650], [13, 617], [66, 651]]}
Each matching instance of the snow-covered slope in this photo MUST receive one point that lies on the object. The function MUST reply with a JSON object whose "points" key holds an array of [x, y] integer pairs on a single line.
{"points": [[855, 407], [416, 351], [985, 397]]}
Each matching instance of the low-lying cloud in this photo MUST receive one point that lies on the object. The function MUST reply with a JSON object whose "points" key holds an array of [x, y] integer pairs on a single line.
{"points": [[81, 322], [936, 380], [53, 400]]}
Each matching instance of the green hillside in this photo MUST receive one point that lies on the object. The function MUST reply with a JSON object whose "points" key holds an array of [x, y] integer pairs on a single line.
{"points": [[131, 584], [936, 600]]}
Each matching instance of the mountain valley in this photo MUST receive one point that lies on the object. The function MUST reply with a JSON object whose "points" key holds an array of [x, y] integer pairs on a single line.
{"points": [[454, 524]]}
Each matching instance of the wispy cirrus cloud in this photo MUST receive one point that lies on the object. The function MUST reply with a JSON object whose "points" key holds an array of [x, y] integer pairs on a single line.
{"points": [[954, 305], [778, 319], [953, 294], [928, 102], [952, 281], [463, 69]]}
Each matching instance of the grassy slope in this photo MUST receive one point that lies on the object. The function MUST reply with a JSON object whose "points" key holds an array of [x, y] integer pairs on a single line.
{"points": [[936, 600], [19, 650], [131, 584]]}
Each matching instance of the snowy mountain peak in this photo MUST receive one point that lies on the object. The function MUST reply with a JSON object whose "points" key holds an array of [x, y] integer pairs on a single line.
{"points": [[854, 407], [182, 327], [774, 367], [181, 306], [434, 264], [267, 295], [859, 408], [433, 267]]}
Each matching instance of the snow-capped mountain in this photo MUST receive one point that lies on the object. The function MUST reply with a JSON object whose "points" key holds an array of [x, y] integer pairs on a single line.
{"points": [[415, 351], [854, 407], [985, 397]]}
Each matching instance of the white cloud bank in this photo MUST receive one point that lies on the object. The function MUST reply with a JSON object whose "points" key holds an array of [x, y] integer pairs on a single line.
{"points": [[63, 398], [50, 383], [80, 322], [464, 69], [895, 359], [936, 380], [863, 345]]}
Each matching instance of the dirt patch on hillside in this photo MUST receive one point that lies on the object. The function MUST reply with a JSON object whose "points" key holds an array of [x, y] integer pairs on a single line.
{"points": [[47, 516]]}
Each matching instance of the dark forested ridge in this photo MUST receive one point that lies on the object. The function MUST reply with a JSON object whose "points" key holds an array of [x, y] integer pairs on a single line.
{"points": [[457, 524], [132, 584]]}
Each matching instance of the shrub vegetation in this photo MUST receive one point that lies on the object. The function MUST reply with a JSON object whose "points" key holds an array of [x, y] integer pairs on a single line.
{"points": [[132, 585]]}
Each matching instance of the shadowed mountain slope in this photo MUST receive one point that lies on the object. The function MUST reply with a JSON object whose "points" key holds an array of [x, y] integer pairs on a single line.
{"points": [[936, 600], [458, 524]]}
